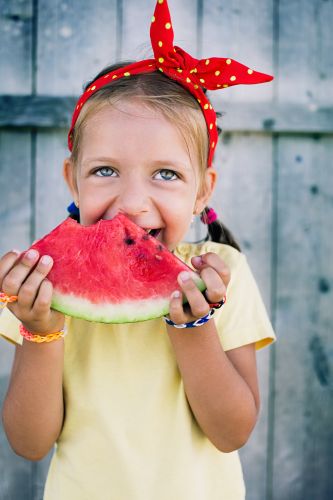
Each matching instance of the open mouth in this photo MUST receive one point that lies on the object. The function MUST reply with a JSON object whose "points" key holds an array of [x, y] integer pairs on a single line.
{"points": [[153, 232]]}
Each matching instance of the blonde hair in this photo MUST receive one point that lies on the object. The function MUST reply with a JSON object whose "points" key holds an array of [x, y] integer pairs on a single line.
{"points": [[159, 93]]}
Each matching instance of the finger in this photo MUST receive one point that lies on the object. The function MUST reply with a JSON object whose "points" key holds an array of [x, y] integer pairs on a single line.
{"points": [[30, 288], [216, 289], [42, 304], [176, 310], [198, 304], [7, 262], [213, 260], [17, 275]]}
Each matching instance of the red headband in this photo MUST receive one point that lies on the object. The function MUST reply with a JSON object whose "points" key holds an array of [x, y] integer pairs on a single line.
{"points": [[193, 74]]}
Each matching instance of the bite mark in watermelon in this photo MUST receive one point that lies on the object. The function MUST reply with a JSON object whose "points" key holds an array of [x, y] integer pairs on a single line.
{"points": [[111, 272]]}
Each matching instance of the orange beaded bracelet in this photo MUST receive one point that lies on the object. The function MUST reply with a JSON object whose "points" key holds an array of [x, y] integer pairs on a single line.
{"points": [[35, 337], [6, 299]]}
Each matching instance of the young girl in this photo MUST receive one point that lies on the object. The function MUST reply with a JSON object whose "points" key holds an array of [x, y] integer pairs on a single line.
{"points": [[149, 410]]}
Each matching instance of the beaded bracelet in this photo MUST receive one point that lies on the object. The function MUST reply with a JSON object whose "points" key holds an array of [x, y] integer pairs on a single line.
{"points": [[6, 299], [200, 321], [35, 337], [191, 324]]}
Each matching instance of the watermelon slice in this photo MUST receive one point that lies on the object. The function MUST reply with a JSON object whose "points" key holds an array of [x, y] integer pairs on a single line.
{"points": [[111, 272]]}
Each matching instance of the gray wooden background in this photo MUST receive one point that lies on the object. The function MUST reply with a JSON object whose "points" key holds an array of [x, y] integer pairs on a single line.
{"points": [[275, 190]]}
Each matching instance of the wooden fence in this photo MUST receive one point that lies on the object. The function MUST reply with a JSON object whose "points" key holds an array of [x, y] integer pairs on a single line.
{"points": [[275, 191]]}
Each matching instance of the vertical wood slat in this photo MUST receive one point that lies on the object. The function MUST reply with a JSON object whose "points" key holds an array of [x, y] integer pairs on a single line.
{"points": [[76, 39], [52, 195], [16, 39], [243, 201], [242, 31], [301, 440], [15, 216], [305, 62], [136, 25], [15, 46], [303, 458]]}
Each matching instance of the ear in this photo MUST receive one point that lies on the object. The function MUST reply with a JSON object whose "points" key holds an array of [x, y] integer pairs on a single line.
{"points": [[68, 173], [206, 190]]}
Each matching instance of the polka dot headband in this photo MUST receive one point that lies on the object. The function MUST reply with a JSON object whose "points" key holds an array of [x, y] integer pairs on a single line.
{"points": [[193, 74]]}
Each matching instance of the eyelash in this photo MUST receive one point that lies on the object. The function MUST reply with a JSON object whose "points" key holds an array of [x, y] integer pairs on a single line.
{"points": [[113, 171]]}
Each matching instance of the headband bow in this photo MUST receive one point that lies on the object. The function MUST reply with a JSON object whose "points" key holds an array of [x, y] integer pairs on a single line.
{"points": [[195, 75]]}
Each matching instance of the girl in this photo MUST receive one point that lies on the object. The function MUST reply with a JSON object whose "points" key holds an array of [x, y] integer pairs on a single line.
{"points": [[140, 411]]}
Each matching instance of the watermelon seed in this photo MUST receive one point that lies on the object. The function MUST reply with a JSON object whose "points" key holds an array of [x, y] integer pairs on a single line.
{"points": [[158, 257], [129, 241]]}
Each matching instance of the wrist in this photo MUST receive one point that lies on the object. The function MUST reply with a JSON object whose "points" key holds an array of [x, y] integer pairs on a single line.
{"points": [[39, 337]]}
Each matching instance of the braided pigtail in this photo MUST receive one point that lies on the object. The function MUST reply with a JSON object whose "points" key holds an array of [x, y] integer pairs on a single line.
{"points": [[217, 231]]}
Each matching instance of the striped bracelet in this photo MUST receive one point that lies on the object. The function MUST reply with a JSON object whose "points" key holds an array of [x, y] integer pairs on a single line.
{"points": [[35, 337], [191, 324], [200, 321]]}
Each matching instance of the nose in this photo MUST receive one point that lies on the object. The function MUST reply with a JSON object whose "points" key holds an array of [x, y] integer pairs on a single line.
{"points": [[133, 199]]}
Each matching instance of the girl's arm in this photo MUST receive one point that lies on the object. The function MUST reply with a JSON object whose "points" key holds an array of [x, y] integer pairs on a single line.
{"points": [[33, 408], [221, 387]]}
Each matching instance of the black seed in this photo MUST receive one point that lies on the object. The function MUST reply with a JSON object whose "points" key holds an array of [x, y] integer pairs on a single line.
{"points": [[160, 248], [129, 241], [145, 237]]}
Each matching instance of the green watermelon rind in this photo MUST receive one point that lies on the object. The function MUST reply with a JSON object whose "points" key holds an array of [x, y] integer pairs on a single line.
{"points": [[125, 312]]}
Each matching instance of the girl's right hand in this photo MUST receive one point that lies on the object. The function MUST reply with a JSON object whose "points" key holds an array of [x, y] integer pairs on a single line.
{"points": [[24, 275]]}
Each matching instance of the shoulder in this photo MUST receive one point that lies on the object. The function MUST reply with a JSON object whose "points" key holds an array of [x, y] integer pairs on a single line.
{"points": [[231, 256]]}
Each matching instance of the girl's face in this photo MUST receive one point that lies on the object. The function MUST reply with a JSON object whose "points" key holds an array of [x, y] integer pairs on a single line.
{"points": [[133, 161]]}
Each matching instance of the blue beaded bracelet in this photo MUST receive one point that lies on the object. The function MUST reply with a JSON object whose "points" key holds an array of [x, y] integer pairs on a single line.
{"points": [[191, 324], [197, 322]]}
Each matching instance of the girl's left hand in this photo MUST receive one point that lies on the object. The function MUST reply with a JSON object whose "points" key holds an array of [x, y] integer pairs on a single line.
{"points": [[216, 275]]}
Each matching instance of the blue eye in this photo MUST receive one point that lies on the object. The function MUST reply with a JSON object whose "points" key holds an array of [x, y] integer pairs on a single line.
{"points": [[104, 172], [168, 175]]}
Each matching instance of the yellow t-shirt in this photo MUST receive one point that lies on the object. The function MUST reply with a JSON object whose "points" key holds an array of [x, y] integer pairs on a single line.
{"points": [[129, 433]]}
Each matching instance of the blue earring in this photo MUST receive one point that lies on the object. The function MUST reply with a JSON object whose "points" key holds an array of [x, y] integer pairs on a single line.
{"points": [[73, 209]]}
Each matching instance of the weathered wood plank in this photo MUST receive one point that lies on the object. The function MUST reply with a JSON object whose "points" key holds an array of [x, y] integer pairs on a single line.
{"points": [[52, 195], [16, 39], [136, 25], [302, 458], [15, 218], [243, 199], [15, 188], [305, 52], [76, 39], [15, 211], [56, 112], [242, 31]]}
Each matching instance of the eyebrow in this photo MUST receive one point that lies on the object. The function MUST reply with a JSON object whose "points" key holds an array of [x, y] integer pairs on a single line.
{"points": [[157, 163]]}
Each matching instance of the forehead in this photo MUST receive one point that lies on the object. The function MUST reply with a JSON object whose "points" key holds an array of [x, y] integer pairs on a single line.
{"points": [[130, 127]]}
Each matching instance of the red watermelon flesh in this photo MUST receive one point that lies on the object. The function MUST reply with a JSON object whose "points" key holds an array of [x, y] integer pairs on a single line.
{"points": [[111, 272]]}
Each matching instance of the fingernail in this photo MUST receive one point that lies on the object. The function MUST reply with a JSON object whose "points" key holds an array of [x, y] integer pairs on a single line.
{"points": [[14, 250], [197, 261], [31, 254], [46, 259], [184, 276], [175, 294]]}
